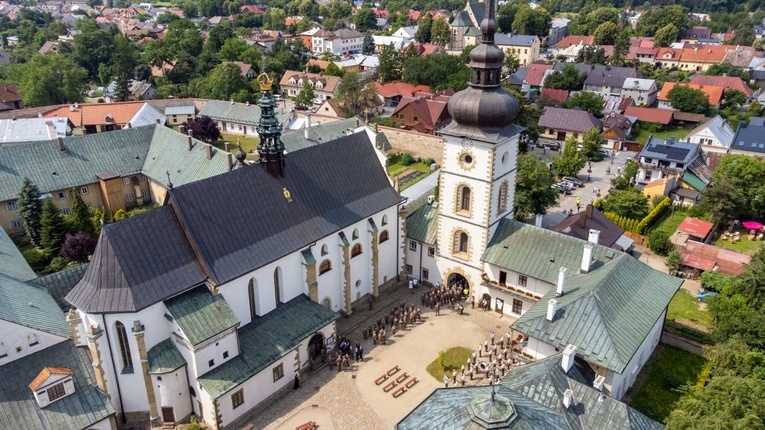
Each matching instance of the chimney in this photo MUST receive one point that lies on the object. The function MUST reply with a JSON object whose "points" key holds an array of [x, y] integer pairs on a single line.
{"points": [[588, 211], [189, 142], [587, 257], [538, 220], [182, 129], [39, 114], [129, 125], [230, 160], [60, 144], [307, 125], [568, 398], [208, 151], [567, 362], [594, 236], [598, 383], [71, 108], [561, 281], [671, 140], [552, 308]]}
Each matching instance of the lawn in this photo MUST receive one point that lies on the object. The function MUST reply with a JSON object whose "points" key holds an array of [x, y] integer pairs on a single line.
{"points": [[671, 221], [398, 168], [743, 245], [659, 384], [408, 175], [679, 134], [249, 144], [453, 359], [685, 307]]}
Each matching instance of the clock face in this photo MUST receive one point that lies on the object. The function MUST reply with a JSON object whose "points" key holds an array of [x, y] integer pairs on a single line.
{"points": [[467, 143]]}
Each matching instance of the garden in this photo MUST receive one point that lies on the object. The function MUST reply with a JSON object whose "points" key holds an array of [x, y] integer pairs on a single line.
{"points": [[679, 133], [408, 169], [448, 361], [249, 144]]}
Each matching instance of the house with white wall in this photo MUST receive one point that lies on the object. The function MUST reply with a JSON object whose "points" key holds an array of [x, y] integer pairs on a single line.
{"points": [[714, 135]]}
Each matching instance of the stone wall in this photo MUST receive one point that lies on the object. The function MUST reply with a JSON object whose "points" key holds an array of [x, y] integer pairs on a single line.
{"points": [[417, 144]]}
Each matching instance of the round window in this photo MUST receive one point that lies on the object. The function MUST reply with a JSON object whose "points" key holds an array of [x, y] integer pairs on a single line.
{"points": [[467, 159]]}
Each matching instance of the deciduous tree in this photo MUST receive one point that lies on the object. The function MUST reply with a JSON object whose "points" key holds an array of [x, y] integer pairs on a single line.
{"points": [[629, 204], [606, 33], [440, 32], [587, 101], [688, 99], [533, 190], [365, 19], [204, 128], [306, 95], [354, 94], [592, 143], [666, 35], [423, 28], [532, 21], [78, 247], [389, 67], [571, 161], [567, 78]]}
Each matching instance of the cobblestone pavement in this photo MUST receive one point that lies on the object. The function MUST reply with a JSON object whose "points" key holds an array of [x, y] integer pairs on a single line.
{"points": [[350, 399]]}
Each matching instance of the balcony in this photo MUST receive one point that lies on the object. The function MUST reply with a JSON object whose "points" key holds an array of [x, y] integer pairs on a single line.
{"points": [[512, 289], [661, 167]]}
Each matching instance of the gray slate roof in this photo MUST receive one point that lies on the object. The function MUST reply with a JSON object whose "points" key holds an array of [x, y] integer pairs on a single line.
{"points": [[28, 305], [13, 263], [332, 186], [59, 284], [610, 76], [180, 110], [266, 340], [138, 262], [462, 20], [514, 39], [164, 357], [87, 406], [319, 133], [422, 225], [535, 392], [201, 315], [670, 150], [580, 224], [568, 119], [749, 137], [606, 313], [239, 113]]}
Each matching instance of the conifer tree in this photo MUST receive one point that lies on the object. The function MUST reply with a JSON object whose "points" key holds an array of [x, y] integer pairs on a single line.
{"points": [[30, 208], [53, 228], [80, 219]]}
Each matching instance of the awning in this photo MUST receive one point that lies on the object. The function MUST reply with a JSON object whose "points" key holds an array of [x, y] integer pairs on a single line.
{"points": [[624, 242]]}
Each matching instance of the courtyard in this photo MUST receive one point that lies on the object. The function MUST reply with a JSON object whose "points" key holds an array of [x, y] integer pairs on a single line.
{"points": [[351, 399]]}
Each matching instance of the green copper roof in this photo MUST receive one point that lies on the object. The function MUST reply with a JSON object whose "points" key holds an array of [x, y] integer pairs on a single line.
{"points": [[28, 305], [694, 181], [422, 225], [266, 340], [461, 20], [239, 113], [606, 313], [164, 357], [201, 315], [13, 263]]}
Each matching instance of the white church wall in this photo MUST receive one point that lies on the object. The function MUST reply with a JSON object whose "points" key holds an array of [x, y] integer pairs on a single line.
{"points": [[172, 390], [17, 341], [389, 259], [618, 383], [209, 355]]}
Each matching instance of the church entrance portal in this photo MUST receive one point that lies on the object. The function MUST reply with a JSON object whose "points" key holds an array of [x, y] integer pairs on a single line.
{"points": [[456, 279], [315, 345]]}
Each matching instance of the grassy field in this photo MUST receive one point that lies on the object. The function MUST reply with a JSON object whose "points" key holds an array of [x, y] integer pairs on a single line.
{"points": [[660, 384], [679, 134], [249, 144], [743, 245], [453, 359], [686, 307], [671, 221], [398, 168]]}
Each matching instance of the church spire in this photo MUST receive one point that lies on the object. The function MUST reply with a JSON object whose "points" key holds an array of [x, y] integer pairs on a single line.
{"points": [[270, 148]]}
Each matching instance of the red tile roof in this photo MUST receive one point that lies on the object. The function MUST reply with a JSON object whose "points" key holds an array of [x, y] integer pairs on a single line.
{"points": [[727, 82], [45, 374], [559, 96], [661, 116], [715, 94], [96, 114], [536, 74], [431, 109], [695, 227], [9, 93], [575, 40], [704, 54], [393, 89]]}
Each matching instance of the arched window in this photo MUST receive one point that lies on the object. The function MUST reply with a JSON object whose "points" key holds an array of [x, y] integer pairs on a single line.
{"points": [[253, 299], [385, 220], [122, 341], [463, 199], [355, 234], [325, 267], [383, 236], [460, 242], [502, 198], [278, 285], [324, 250], [356, 250]]}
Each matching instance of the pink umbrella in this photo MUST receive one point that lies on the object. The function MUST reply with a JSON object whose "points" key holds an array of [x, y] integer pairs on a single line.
{"points": [[752, 225]]}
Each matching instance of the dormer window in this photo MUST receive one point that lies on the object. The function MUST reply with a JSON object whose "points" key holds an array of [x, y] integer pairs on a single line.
{"points": [[51, 384], [32, 339]]}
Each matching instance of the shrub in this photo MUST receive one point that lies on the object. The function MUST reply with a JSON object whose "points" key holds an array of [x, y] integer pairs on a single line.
{"points": [[656, 213], [78, 246], [428, 161], [442, 359], [655, 200], [56, 265], [697, 211], [37, 260], [407, 159], [195, 425], [658, 242], [120, 215], [138, 211]]}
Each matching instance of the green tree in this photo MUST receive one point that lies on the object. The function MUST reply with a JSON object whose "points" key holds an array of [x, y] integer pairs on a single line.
{"points": [[532, 21], [587, 101], [231, 49], [567, 78], [53, 228], [606, 33], [688, 99], [30, 210], [92, 47], [122, 67], [423, 28], [600, 16], [365, 19], [734, 97], [755, 108], [48, 80], [721, 200], [673, 260], [621, 48], [218, 36], [506, 15], [629, 204], [511, 61], [439, 71], [183, 40], [440, 32], [306, 95], [592, 55], [274, 19], [533, 187], [225, 82], [715, 281], [652, 20], [658, 240], [571, 161], [354, 94], [334, 70], [592, 143], [368, 46], [666, 35], [389, 64], [80, 219]]}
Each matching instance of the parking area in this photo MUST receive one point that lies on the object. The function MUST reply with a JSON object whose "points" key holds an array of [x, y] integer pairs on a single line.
{"points": [[599, 179]]}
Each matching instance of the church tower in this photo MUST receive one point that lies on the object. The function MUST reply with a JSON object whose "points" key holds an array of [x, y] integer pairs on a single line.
{"points": [[479, 165], [270, 148]]}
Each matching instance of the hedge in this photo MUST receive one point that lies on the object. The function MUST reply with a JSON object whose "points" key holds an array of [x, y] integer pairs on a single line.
{"points": [[656, 213]]}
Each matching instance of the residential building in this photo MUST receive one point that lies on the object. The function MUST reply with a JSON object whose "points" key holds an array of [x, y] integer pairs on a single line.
{"points": [[324, 86], [364, 65], [582, 223], [663, 117], [177, 115], [715, 94], [662, 158], [424, 113], [554, 392], [642, 50], [695, 34], [406, 32], [642, 91], [559, 123], [117, 170], [699, 59], [570, 46], [9, 97], [697, 257], [725, 82], [32, 129], [715, 135], [393, 92], [607, 80], [248, 71], [424, 49], [617, 129], [532, 77], [750, 138], [334, 108], [140, 90], [238, 118], [553, 95], [525, 48], [338, 42], [558, 30], [234, 322], [101, 117], [421, 239], [398, 43], [667, 58]]}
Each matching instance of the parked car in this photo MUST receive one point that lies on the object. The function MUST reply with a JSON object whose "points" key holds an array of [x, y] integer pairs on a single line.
{"points": [[552, 145], [573, 180], [604, 153], [563, 188]]}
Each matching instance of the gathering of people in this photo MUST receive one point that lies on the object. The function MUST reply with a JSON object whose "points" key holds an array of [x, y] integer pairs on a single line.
{"points": [[398, 318], [489, 363], [346, 352], [442, 295]]}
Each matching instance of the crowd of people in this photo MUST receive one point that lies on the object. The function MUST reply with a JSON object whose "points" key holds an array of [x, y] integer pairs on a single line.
{"points": [[346, 352], [398, 318], [442, 295], [490, 361]]}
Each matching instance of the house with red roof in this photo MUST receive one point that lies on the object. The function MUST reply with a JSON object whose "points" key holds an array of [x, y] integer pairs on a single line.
{"points": [[554, 95], [714, 93], [424, 113], [697, 257], [658, 116], [726, 82], [393, 92]]}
